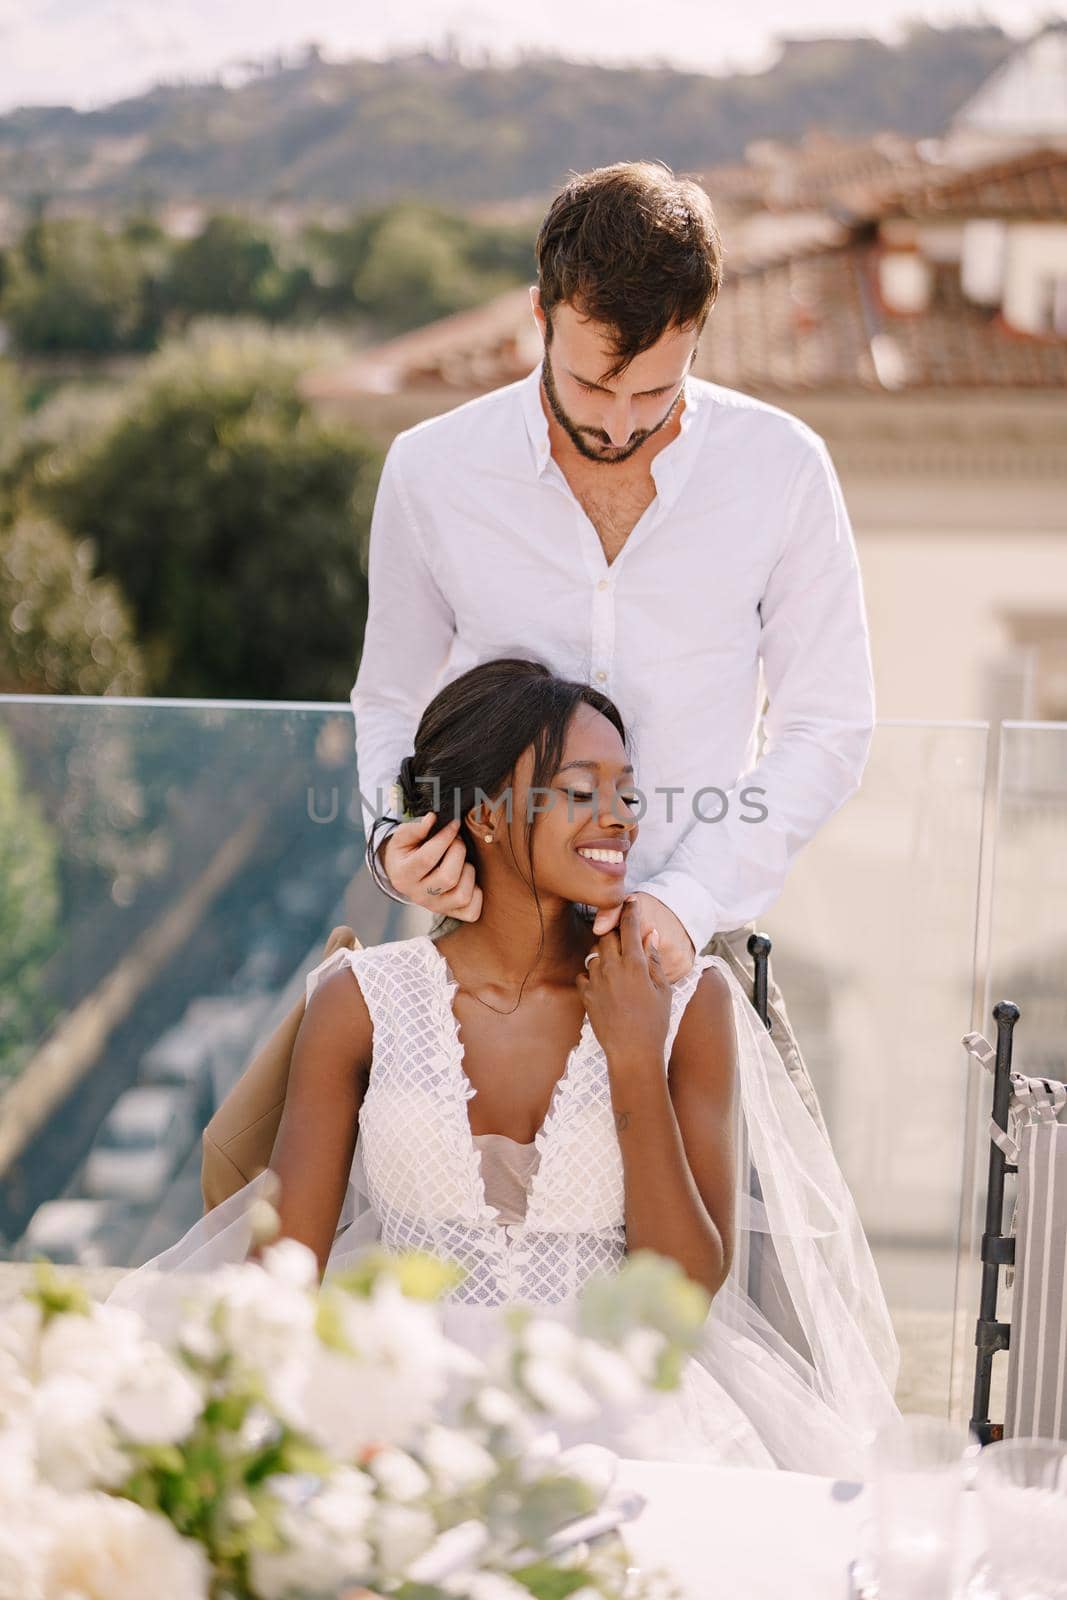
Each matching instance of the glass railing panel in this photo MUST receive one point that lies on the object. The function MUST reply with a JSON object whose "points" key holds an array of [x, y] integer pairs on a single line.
{"points": [[873, 947], [1025, 954], [178, 868], [171, 871]]}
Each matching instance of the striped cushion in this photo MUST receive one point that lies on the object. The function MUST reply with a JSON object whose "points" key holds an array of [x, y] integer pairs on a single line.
{"points": [[1037, 1361]]}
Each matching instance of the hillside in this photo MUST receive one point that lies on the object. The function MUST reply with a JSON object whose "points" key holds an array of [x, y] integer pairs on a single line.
{"points": [[362, 132]]}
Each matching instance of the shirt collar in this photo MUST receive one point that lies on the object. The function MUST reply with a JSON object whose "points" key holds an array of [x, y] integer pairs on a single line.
{"points": [[537, 422]]}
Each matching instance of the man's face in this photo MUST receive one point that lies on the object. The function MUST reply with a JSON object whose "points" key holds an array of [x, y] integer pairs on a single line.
{"points": [[609, 419]]}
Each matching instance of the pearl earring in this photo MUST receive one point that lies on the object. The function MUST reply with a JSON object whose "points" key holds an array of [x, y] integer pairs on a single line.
{"points": [[488, 838]]}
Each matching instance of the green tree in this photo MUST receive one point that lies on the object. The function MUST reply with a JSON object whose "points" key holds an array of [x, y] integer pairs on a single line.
{"points": [[29, 909], [62, 630], [414, 271], [234, 519], [232, 268], [72, 286]]}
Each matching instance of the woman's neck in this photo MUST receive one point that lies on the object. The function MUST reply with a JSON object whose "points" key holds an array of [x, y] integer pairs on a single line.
{"points": [[506, 944]]}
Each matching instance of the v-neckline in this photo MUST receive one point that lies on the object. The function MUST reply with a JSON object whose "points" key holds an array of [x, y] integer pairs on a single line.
{"points": [[466, 1091]]}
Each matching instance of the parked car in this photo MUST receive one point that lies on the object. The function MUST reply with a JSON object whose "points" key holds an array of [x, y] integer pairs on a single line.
{"points": [[179, 1056], [268, 961], [78, 1233], [144, 1136]]}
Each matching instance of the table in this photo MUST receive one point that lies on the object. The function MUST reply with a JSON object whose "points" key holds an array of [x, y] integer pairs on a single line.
{"points": [[742, 1534]]}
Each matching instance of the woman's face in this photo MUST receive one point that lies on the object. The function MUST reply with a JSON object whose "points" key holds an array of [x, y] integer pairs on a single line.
{"points": [[583, 826]]}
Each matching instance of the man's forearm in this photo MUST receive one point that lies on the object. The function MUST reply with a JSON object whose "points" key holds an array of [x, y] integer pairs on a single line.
{"points": [[725, 873]]}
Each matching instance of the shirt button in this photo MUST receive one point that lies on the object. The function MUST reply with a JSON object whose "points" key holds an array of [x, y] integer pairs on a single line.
{"points": [[603, 583], [601, 677]]}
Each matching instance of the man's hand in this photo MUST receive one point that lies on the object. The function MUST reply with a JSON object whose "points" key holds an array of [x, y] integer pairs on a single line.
{"points": [[626, 994], [676, 952], [415, 865]]}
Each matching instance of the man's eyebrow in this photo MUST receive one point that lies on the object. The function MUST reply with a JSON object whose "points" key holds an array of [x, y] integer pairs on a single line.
{"points": [[661, 389], [592, 766]]}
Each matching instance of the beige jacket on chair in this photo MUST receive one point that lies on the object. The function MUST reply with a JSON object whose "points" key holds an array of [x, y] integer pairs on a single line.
{"points": [[238, 1142]]}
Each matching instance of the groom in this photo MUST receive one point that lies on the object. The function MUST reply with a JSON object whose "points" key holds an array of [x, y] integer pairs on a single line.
{"points": [[653, 534]]}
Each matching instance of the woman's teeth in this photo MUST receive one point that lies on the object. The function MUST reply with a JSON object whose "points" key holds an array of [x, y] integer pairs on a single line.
{"points": [[616, 856]]}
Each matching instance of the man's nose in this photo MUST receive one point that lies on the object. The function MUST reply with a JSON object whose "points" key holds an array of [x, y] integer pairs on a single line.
{"points": [[619, 426]]}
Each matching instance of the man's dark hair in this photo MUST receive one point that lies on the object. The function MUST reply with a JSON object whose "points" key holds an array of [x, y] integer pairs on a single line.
{"points": [[634, 247]]}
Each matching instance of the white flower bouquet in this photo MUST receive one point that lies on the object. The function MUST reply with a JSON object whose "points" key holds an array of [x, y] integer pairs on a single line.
{"points": [[292, 1442]]}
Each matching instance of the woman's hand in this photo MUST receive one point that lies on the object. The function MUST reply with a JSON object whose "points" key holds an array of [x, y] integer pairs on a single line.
{"points": [[676, 952], [626, 995]]}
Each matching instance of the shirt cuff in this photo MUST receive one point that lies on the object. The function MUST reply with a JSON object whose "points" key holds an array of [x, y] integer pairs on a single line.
{"points": [[375, 868], [691, 903]]}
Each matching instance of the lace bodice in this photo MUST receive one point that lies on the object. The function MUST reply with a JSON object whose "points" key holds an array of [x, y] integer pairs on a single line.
{"points": [[421, 1165]]}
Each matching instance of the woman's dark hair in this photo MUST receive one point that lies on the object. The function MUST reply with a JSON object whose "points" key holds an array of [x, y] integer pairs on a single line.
{"points": [[634, 247], [474, 731]]}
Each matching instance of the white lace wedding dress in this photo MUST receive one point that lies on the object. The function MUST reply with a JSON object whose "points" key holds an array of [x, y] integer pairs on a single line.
{"points": [[798, 1358]]}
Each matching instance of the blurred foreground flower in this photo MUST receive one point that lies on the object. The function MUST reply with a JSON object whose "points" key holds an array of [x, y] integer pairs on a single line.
{"points": [[292, 1442]]}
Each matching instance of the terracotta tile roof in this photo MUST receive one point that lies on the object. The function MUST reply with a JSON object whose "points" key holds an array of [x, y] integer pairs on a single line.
{"points": [[817, 322], [471, 351], [800, 309], [840, 176], [1031, 186]]}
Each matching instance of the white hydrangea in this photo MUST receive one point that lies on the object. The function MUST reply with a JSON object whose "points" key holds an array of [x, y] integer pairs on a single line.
{"points": [[558, 1390], [326, 1537], [267, 1324], [389, 1388], [490, 1586], [23, 1544], [154, 1401], [642, 1348], [76, 1445], [456, 1461], [291, 1263], [99, 1346], [401, 1535], [593, 1465], [20, 1330], [400, 1476], [609, 1374], [452, 1553], [102, 1548]]}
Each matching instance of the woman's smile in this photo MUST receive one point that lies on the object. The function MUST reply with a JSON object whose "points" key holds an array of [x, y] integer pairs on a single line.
{"points": [[608, 857]]}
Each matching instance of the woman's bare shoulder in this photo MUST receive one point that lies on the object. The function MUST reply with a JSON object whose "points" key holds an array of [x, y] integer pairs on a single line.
{"points": [[337, 1019], [707, 1023]]}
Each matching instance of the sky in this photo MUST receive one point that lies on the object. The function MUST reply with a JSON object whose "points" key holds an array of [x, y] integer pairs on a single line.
{"points": [[90, 52]]}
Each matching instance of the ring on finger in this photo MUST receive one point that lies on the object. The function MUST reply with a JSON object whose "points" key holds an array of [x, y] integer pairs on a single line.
{"points": [[594, 955]]}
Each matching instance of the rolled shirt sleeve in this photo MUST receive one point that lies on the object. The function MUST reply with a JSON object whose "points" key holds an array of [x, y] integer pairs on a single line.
{"points": [[818, 725], [408, 638]]}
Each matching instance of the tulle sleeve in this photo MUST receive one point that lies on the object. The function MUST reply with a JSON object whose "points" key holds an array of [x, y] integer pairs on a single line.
{"points": [[800, 1335]]}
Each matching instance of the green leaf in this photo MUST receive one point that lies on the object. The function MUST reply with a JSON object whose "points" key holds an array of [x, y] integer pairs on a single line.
{"points": [[550, 1583], [56, 1294]]}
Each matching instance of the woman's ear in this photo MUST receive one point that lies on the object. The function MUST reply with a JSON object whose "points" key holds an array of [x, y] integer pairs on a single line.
{"points": [[479, 821]]}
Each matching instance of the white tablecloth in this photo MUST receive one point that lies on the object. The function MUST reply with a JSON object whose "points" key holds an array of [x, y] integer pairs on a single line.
{"points": [[736, 1534]]}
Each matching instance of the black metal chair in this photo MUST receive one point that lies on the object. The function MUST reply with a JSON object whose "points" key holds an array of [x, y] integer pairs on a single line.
{"points": [[998, 1248], [1028, 1139]]}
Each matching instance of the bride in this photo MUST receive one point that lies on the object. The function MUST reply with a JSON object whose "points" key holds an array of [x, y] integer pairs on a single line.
{"points": [[533, 1103]]}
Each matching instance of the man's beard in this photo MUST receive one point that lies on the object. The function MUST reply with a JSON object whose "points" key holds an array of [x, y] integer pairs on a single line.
{"points": [[580, 436]]}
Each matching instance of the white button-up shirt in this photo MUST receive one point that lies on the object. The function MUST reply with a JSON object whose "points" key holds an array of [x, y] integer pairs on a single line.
{"points": [[745, 556]]}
